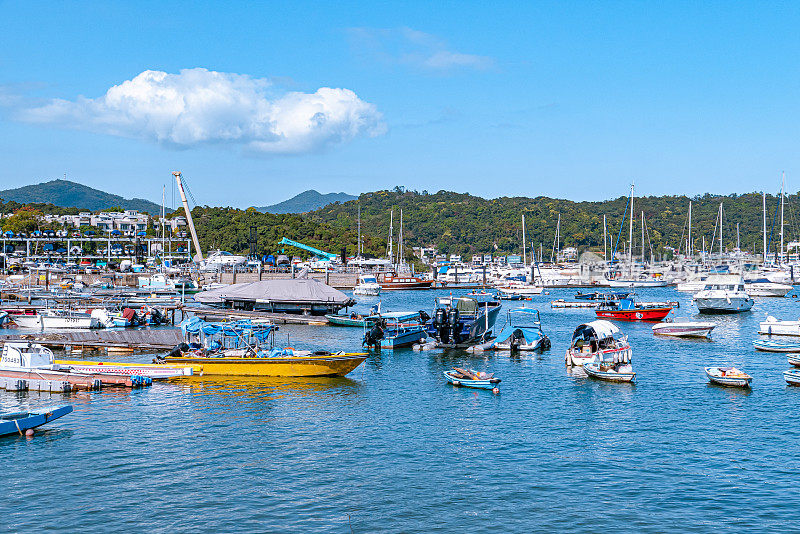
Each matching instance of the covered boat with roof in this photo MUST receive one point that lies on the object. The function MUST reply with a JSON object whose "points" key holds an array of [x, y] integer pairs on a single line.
{"points": [[597, 341]]}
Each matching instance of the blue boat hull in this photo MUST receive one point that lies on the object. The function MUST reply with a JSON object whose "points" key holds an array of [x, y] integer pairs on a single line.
{"points": [[403, 339], [18, 423], [477, 384]]}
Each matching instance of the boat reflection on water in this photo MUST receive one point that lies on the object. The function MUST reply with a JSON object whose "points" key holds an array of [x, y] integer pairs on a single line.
{"points": [[272, 386]]}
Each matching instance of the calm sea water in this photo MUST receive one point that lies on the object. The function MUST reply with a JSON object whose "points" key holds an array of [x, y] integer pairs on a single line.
{"points": [[393, 448]]}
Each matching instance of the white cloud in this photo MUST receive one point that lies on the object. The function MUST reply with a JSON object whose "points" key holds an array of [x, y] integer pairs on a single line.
{"points": [[413, 47], [198, 106]]}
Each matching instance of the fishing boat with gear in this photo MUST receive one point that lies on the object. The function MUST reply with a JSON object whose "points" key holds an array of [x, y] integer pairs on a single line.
{"points": [[597, 341], [244, 348]]}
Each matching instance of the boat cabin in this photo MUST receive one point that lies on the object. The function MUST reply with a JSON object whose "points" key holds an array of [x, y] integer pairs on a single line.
{"points": [[26, 355]]}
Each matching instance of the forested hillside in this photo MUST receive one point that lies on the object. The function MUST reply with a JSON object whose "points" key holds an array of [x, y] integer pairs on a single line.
{"points": [[465, 224]]}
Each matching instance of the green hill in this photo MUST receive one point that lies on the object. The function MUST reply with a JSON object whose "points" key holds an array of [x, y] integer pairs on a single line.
{"points": [[306, 201], [465, 224], [74, 195]]}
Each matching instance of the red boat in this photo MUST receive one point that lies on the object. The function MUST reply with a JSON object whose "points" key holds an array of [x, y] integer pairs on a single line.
{"points": [[392, 281], [628, 310]]}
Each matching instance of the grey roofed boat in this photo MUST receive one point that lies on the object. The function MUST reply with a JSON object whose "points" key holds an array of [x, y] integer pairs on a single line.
{"points": [[299, 295]]}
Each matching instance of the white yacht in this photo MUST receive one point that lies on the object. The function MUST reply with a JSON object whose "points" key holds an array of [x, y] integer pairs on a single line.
{"points": [[723, 293], [773, 327], [763, 287], [220, 259], [367, 285]]}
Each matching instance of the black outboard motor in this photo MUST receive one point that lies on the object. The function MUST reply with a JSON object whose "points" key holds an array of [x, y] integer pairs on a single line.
{"points": [[373, 335], [176, 351], [440, 325], [517, 338], [452, 323]]}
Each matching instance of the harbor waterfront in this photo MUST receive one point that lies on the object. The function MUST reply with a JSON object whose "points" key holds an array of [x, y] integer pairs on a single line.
{"points": [[393, 448]]}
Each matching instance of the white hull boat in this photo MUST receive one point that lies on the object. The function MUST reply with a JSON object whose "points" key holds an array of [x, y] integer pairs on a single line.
{"points": [[621, 282], [794, 361], [773, 326], [683, 329], [56, 320], [691, 286], [595, 342], [765, 288], [767, 345], [792, 377], [523, 290], [367, 286], [728, 377], [612, 373], [723, 294]]}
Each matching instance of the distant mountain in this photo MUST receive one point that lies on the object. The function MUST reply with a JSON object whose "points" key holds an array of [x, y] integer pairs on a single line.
{"points": [[306, 201], [74, 195]]}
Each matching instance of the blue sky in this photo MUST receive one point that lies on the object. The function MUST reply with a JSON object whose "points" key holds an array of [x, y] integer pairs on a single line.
{"points": [[566, 99]]}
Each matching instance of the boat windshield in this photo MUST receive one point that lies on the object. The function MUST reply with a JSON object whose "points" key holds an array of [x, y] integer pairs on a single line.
{"points": [[467, 306], [368, 280]]}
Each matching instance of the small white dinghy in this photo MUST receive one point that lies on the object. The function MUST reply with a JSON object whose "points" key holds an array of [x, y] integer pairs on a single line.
{"points": [[794, 360], [768, 345], [728, 376], [792, 377], [683, 328], [613, 372]]}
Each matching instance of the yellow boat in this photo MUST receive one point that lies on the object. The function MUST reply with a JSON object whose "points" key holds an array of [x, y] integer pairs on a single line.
{"points": [[310, 365]]}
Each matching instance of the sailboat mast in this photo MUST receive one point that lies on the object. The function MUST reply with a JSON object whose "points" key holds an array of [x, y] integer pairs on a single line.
{"points": [[642, 236], [389, 251], [359, 232], [605, 238], [783, 197], [630, 237], [689, 248], [764, 206], [720, 230], [524, 255], [400, 241]]}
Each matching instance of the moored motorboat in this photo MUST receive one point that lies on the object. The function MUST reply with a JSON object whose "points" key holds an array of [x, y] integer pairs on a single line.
{"points": [[628, 309], [244, 348], [595, 342], [764, 288], [794, 360], [792, 377], [613, 372], [394, 330], [124, 368], [367, 286], [723, 293], [683, 328], [462, 321], [523, 332], [772, 326], [393, 281], [768, 345], [728, 377], [19, 422], [471, 379]]}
